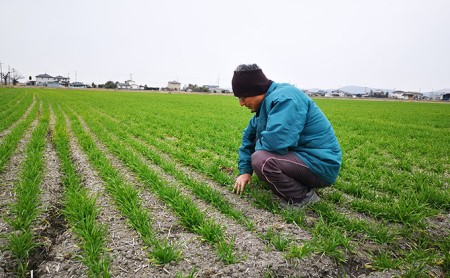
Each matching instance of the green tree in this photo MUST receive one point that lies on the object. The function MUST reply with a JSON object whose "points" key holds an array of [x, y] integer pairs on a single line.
{"points": [[110, 85]]}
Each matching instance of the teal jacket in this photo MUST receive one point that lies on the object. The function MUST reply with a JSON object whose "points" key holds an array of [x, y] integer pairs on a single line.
{"points": [[289, 121]]}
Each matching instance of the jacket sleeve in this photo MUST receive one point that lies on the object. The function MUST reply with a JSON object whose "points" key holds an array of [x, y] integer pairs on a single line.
{"points": [[285, 121], [247, 148]]}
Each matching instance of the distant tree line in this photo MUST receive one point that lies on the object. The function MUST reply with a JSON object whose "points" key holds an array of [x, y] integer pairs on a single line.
{"points": [[150, 88], [110, 85], [381, 94], [113, 85]]}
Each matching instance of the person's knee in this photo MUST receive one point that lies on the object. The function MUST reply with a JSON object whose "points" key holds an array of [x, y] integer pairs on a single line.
{"points": [[258, 159]]}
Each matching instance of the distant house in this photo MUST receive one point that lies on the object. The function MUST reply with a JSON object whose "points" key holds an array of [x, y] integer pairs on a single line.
{"points": [[133, 85], [446, 97], [44, 79], [396, 94], [406, 95], [174, 86], [215, 89], [340, 93], [123, 86], [64, 81], [50, 81], [315, 93], [414, 95], [129, 85]]}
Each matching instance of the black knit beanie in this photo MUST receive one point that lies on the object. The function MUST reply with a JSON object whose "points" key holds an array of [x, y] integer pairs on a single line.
{"points": [[249, 81]]}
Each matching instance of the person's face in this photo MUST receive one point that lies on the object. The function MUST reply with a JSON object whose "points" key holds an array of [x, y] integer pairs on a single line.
{"points": [[252, 103]]}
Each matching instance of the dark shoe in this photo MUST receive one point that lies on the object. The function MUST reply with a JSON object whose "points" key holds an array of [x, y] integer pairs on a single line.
{"points": [[310, 198]]}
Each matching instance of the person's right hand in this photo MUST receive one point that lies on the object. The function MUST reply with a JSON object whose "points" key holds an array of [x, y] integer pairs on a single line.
{"points": [[241, 182]]}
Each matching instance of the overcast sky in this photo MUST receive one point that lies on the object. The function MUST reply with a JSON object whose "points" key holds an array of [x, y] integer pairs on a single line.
{"points": [[392, 44]]}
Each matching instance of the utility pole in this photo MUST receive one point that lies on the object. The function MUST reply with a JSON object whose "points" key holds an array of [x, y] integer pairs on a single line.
{"points": [[1, 74]]}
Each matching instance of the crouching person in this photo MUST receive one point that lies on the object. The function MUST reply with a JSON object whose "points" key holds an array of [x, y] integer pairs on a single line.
{"points": [[288, 143]]}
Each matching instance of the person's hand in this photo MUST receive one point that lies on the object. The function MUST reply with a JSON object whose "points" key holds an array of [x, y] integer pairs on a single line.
{"points": [[241, 182]]}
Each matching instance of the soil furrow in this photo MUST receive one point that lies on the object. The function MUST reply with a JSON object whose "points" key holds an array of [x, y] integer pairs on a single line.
{"points": [[10, 128], [57, 255], [126, 248], [8, 178]]}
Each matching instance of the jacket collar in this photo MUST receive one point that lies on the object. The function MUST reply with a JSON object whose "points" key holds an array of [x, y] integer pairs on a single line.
{"points": [[271, 88], [269, 91]]}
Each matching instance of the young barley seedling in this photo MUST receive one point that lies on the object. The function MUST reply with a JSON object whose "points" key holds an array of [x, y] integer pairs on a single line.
{"points": [[299, 251], [163, 252], [384, 260], [279, 241], [225, 251], [331, 241], [294, 216], [192, 273], [210, 230]]}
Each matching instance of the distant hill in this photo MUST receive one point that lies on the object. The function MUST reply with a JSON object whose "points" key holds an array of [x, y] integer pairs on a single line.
{"points": [[446, 91]]}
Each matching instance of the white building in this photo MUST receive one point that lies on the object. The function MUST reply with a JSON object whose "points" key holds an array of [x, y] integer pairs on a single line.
{"points": [[405, 95], [339, 93], [128, 85], [174, 85], [44, 79], [65, 81], [216, 89]]}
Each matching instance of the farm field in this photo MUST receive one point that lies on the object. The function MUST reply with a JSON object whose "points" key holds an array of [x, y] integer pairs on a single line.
{"points": [[130, 184]]}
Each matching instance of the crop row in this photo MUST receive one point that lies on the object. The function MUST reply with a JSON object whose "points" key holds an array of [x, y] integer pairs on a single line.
{"points": [[24, 209]]}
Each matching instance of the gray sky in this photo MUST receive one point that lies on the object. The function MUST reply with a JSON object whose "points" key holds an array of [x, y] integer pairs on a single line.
{"points": [[401, 44]]}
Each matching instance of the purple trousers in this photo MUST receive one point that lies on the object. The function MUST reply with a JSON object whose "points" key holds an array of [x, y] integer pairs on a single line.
{"points": [[286, 175]]}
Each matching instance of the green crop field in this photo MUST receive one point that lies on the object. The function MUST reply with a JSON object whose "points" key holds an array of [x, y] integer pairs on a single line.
{"points": [[131, 184]]}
